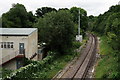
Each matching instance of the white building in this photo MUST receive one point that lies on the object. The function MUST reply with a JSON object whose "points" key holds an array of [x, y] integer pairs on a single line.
{"points": [[17, 43]]}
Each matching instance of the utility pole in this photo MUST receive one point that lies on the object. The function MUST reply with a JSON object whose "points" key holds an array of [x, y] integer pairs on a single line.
{"points": [[79, 37], [79, 23]]}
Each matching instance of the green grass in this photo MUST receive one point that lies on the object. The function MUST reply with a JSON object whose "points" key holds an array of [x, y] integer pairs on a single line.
{"points": [[105, 48], [107, 66]]}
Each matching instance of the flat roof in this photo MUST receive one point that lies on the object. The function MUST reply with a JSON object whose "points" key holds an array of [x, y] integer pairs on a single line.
{"points": [[16, 31]]}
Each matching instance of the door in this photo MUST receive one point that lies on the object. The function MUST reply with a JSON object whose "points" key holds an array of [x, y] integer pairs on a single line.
{"points": [[21, 48], [19, 63]]}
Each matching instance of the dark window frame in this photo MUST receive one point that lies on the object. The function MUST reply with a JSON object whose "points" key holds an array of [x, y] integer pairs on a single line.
{"points": [[5, 45]]}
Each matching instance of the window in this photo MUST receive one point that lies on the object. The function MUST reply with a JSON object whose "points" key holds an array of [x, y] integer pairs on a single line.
{"points": [[11, 44], [1, 44], [6, 44]]}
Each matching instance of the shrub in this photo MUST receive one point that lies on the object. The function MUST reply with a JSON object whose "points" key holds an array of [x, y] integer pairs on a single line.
{"points": [[76, 44], [25, 72]]}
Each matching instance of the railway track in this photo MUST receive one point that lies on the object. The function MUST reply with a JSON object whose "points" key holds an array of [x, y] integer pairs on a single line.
{"points": [[79, 68]]}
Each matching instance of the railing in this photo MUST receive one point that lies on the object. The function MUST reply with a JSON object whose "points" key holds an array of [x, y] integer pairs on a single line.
{"points": [[11, 56], [33, 56]]}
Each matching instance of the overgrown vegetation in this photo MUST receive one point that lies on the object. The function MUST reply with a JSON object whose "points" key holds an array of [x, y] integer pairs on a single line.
{"points": [[58, 28], [46, 68], [18, 17], [5, 72], [107, 25], [56, 31], [108, 63]]}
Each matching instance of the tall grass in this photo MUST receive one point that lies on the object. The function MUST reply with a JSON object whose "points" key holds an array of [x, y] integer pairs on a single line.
{"points": [[108, 65]]}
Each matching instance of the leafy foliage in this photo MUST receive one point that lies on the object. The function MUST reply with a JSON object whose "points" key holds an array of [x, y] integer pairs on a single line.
{"points": [[57, 30], [76, 44], [108, 25], [5, 72], [25, 72], [91, 22], [17, 17], [40, 12], [44, 69]]}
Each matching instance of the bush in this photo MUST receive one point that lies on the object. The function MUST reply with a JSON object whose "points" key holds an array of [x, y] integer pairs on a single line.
{"points": [[56, 29], [4, 72], [76, 44], [25, 72]]}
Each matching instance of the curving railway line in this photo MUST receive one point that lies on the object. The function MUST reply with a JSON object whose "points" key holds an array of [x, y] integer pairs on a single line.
{"points": [[79, 68]]}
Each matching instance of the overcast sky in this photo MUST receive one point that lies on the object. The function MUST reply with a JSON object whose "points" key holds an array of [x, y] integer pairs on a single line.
{"points": [[93, 7]]}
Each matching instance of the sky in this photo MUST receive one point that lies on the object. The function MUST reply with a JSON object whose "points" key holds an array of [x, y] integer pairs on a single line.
{"points": [[93, 7]]}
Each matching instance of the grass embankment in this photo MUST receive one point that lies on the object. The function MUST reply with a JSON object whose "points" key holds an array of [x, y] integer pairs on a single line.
{"points": [[108, 64]]}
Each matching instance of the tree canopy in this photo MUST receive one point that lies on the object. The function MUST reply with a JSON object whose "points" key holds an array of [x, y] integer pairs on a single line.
{"points": [[40, 12], [57, 30], [109, 24], [17, 17]]}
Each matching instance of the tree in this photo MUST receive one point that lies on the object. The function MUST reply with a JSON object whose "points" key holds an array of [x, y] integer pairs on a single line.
{"points": [[113, 30], [31, 18], [109, 24], [16, 17], [91, 21], [63, 9], [42, 11], [56, 29], [102, 19]]}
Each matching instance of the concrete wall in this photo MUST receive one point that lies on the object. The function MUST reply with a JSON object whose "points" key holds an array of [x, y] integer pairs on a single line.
{"points": [[10, 65], [16, 40], [33, 44]]}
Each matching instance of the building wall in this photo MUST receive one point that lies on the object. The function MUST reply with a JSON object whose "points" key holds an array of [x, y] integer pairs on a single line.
{"points": [[10, 65], [16, 40], [30, 44], [33, 44]]}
